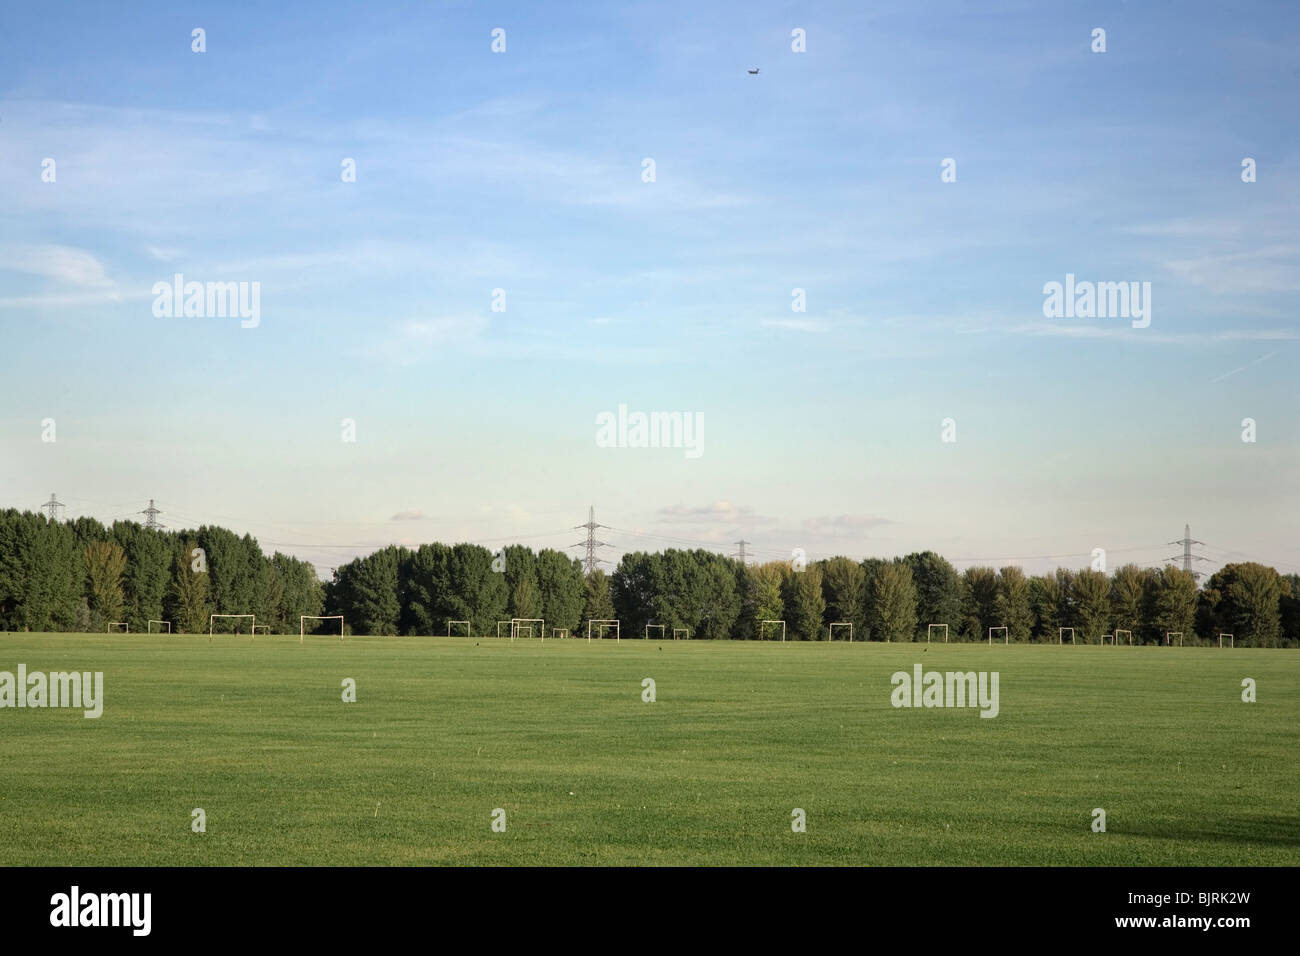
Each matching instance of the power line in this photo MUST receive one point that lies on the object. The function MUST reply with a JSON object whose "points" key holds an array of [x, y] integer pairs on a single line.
{"points": [[1188, 557], [590, 562], [741, 553], [53, 505], [151, 517]]}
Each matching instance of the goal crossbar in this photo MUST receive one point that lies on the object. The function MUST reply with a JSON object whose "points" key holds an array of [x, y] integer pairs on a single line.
{"points": [[1060, 634], [149, 627], [213, 617], [681, 630], [647, 631], [1119, 631], [113, 624], [1006, 634], [516, 625], [1170, 635], [760, 629], [451, 622], [604, 622], [317, 617], [1228, 636], [835, 624], [929, 629]]}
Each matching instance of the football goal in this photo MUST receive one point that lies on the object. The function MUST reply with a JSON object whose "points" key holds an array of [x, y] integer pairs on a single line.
{"points": [[685, 634], [264, 628], [1170, 635], [601, 625], [499, 623], [835, 624], [127, 627], [929, 629], [761, 625], [647, 631], [149, 626], [1006, 634], [312, 617], [1112, 639], [1228, 636], [450, 623], [1128, 634], [516, 623], [212, 618], [1060, 634], [559, 632]]}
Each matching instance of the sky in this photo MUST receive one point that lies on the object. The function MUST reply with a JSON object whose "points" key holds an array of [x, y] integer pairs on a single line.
{"points": [[474, 411]]}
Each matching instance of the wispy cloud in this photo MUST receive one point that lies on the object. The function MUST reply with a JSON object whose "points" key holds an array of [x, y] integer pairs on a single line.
{"points": [[847, 524], [408, 516], [718, 511]]}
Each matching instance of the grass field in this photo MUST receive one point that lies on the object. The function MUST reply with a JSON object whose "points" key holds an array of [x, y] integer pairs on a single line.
{"points": [[446, 730]]}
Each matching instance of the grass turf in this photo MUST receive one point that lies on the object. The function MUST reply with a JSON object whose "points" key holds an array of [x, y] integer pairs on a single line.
{"points": [[444, 731]]}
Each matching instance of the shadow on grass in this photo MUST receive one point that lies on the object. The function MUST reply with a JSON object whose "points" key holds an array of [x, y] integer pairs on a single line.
{"points": [[1272, 831]]}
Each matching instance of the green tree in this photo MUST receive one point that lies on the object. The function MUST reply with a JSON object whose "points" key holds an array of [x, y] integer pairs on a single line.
{"points": [[844, 587], [979, 602], [1249, 607], [598, 605], [762, 599], [105, 563], [891, 601], [938, 591], [1128, 600], [805, 607], [188, 599], [1012, 604], [1091, 605], [1174, 603]]}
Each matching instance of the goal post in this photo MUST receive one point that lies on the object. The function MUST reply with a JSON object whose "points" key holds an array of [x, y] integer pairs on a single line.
{"points": [[316, 617], [686, 634], [647, 631], [1060, 634], [212, 618], [835, 624], [499, 623], [1006, 634], [929, 629], [1112, 639], [559, 633], [265, 628], [602, 624], [451, 622], [1170, 635], [1228, 636], [1128, 634], [517, 623], [124, 624], [762, 623], [149, 627]]}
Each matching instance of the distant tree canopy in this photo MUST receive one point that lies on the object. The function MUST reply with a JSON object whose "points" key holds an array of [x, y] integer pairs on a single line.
{"points": [[80, 575]]}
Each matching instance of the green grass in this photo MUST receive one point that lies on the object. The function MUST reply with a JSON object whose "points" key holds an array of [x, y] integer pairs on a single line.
{"points": [[444, 731]]}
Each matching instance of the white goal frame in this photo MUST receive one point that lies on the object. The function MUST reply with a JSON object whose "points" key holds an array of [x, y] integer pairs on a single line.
{"points": [[604, 622], [1119, 631], [929, 629], [450, 622], [1060, 634], [1170, 634], [149, 627], [1006, 634], [265, 627], [1228, 636], [213, 617], [769, 621], [499, 623], [835, 624], [1112, 639], [127, 625], [647, 631], [318, 617], [515, 623], [682, 630], [563, 633]]}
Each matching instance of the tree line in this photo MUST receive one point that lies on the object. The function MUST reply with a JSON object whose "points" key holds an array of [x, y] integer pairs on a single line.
{"points": [[81, 576]]}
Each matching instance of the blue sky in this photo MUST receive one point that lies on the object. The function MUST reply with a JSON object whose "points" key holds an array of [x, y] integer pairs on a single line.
{"points": [[522, 171]]}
